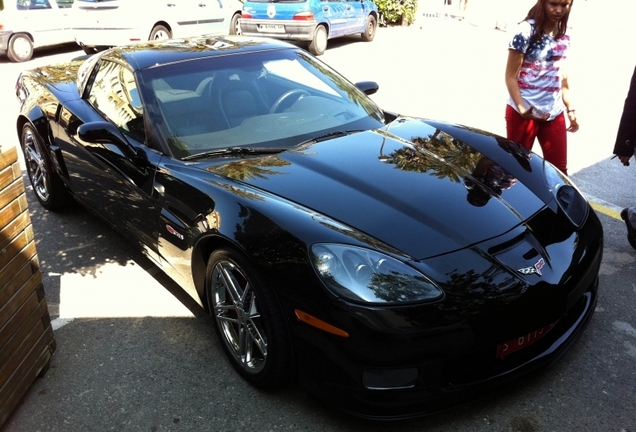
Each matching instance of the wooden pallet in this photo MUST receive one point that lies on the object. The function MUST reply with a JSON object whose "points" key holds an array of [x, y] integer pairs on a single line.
{"points": [[26, 335]]}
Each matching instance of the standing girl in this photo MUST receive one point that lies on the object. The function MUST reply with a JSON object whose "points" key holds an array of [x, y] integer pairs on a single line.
{"points": [[538, 83]]}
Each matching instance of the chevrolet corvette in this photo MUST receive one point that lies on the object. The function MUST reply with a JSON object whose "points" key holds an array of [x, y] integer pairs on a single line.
{"points": [[392, 266]]}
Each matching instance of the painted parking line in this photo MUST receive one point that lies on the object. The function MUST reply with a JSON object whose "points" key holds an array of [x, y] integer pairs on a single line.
{"points": [[604, 207]]}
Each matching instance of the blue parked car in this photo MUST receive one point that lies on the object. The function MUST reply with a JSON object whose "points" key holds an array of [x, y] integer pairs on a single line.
{"points": [[314, 21]]}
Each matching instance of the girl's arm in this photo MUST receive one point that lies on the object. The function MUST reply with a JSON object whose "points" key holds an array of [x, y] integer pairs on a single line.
{"points": [[570, 111], [513, 66]]}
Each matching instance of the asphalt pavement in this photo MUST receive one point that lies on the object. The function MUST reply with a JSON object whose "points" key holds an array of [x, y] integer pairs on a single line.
{"points": [[135, 353]]}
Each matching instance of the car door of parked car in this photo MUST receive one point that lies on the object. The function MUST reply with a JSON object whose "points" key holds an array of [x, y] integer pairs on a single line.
{"points": [[45, 21], [333, 12], [191, 17], [356, 14], [213, 16]]}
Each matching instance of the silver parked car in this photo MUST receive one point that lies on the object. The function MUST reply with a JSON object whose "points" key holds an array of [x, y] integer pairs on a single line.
{"points": [[108, 23], [29, 24]]}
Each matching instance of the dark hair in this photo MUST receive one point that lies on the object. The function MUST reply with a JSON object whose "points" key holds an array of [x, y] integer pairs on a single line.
{"points": [[537, 13]]}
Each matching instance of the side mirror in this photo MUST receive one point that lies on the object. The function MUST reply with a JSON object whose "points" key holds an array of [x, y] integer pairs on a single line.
{"points": [[102, 132], [368, 87]]}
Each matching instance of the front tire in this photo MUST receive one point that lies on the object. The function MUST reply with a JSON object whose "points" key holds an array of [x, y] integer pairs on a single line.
{"points": [[20, 48], [248, 319], [47, 185], [369, 32], [318, 43], [159, 32]]}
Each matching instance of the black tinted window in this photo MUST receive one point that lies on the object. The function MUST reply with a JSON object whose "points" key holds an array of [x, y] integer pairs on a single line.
{"points": [[114, 94]]}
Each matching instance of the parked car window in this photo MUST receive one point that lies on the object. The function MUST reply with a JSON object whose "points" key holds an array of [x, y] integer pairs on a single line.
{"points": [[114, 94], [34, 4], [63, 4]]}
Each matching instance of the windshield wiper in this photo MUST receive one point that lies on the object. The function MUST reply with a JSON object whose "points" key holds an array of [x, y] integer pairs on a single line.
{"points": [[235, 151], [330, 135]]}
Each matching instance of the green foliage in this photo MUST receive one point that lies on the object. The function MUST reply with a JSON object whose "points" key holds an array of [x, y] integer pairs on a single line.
{"points": [[396, 12]]}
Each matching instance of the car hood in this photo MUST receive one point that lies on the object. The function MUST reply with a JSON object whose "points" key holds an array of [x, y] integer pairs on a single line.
{"points": [[423, 187]]}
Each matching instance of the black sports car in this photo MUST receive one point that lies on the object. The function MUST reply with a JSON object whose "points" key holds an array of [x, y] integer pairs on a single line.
{"points": [[394, 266]]}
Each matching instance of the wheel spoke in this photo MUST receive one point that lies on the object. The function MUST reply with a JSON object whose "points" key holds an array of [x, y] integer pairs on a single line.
{"points": [[231, 284], [243, 344]]}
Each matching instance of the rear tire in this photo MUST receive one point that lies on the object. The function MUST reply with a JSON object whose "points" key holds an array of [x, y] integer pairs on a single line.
{"points": [[47, 185], [20, 48], [159, 32], [369, 32], [248, 319], [235, 27], [318, 44]]}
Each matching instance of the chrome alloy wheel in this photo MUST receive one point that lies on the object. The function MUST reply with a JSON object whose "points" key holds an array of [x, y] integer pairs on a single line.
{"points": [[238, 318], [36, 166]]}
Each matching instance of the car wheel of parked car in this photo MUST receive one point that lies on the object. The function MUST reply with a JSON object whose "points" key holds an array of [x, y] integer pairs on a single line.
{"points": [[235, 27], [48, 187], [248, 319], [318, 44], [369, 32], [160, 32], [20, 48]]}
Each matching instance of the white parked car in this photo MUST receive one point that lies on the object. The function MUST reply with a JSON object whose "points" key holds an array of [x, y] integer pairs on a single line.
{"points": [[29, 24], [107, 23]]}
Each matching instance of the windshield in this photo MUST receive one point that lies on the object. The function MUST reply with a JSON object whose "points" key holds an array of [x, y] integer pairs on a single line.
{"points": [[271, 98]]}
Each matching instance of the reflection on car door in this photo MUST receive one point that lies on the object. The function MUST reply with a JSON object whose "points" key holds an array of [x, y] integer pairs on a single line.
{"points": [[115, 185]]}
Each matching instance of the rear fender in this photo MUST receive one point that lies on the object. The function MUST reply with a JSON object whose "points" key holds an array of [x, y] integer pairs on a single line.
{"points": [[38, 120]]}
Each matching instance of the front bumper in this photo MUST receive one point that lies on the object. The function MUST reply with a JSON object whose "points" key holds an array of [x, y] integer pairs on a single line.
{"points": [[444, 384], [413, 361], [291, 30], [5, 35]]}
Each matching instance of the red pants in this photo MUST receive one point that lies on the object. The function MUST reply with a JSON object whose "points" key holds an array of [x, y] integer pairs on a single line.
{"points": [[552, 136]]}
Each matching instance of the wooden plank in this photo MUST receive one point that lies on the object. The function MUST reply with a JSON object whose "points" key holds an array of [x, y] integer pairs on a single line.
{"points": [[17, 310], [22, 277], [8, 156], [6, 177], [22, 341], [22, 379], [25, 255], [13, 249], [15, 190], [10, 211], [11, 230], [33, 313]]}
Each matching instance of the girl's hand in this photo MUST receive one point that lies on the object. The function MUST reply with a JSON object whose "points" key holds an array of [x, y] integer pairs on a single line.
{"points": [[532, 114], [574, 125]]}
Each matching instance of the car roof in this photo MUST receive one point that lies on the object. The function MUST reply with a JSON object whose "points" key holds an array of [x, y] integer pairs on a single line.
{"points": [[152, 54]]}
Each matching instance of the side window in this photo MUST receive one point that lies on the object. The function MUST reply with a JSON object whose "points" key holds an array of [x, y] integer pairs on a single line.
{"points": [[64, 4], [34, 4], [114, 94]]}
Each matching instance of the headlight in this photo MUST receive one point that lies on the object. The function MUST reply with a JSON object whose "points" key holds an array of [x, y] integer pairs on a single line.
{"points": [[364, 275], [567, 196]]}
